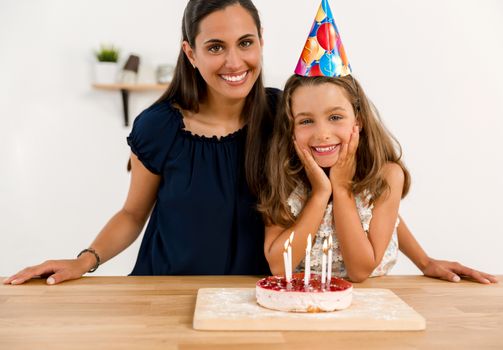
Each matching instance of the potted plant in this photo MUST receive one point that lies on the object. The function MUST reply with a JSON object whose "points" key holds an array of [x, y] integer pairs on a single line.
{"points": [[106, 67]]}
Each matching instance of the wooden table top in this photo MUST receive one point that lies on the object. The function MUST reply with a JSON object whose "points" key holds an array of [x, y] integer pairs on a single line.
{"points": [[156, 313]]}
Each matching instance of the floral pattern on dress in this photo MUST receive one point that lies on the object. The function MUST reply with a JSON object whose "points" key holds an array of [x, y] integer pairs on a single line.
{"points": [[296, 202]]}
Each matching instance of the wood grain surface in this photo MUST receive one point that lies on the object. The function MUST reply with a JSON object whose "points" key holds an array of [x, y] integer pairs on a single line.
{"points": [[157, 313]]}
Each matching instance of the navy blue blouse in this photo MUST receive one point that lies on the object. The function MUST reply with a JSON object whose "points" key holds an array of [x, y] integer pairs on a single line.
{"points": [[204, 220]]}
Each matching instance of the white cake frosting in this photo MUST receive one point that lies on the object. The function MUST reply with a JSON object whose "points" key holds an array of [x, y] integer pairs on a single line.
{"points": [[296, 298]]}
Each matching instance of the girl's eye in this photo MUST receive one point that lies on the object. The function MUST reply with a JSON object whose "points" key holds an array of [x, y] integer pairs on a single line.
{"points": [[246, 43], [305, 122], [335, 117], [215, 48]]}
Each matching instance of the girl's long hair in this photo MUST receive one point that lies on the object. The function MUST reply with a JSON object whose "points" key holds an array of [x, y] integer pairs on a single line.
{"points": [[284, 170], [188, 87]]}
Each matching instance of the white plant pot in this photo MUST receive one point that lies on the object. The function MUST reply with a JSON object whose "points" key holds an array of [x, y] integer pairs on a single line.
{"points": [[105, 72]]}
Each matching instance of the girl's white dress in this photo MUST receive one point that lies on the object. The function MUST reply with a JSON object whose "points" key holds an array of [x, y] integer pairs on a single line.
{"points": [[296, 202]]}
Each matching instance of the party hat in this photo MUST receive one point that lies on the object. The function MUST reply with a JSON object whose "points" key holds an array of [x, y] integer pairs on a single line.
{"points": [[323, 53]]}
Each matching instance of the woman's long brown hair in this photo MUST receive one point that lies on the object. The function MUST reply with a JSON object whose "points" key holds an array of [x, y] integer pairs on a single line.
{"points": [[285, 172]]}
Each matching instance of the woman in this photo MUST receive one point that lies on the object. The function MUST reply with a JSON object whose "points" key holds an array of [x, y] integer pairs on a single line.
{"points": [[195, 162]]}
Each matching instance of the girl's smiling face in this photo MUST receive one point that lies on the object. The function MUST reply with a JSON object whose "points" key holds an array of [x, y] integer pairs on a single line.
{"points": [[323, 121], [227, 52]]}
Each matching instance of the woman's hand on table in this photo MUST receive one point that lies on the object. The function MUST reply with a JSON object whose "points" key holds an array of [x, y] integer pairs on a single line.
{"points": [[453, 272], [56, 271]]}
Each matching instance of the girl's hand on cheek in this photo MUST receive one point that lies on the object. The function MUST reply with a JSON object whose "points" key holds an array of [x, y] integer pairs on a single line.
{"points": [[320, 182], [343, 171]]}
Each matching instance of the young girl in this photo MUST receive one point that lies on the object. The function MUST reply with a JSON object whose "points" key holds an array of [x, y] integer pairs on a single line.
{"points": [[337, 173]]}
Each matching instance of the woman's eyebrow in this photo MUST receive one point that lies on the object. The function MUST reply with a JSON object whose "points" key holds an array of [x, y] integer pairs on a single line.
{"points": [[220, 41], [213, 41], [246, 36]]}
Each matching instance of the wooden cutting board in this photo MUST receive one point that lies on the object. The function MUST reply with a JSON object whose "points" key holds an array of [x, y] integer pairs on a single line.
{"points": [[236, 309]]}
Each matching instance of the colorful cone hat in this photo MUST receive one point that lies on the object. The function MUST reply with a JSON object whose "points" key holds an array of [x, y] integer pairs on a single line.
{"points": [[323, 53]]}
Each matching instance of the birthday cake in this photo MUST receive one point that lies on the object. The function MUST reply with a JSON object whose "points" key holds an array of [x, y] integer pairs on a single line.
{"points": [[275, 293]]}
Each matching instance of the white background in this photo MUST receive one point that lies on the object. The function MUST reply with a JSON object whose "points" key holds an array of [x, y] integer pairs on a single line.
{"points": [[434, 68]]}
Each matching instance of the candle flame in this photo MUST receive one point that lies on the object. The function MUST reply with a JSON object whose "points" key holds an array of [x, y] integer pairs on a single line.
{"points": [[330, 242], [309, 240], [287, 243], [291, 237], [325, 247]]}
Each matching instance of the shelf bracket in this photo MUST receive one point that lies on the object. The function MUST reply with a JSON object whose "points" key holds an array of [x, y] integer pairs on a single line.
{"points": [[125, 105]]}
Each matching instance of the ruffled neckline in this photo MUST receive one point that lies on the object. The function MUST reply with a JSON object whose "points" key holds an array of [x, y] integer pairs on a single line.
{"points": [[214, 138], [218, 139]]}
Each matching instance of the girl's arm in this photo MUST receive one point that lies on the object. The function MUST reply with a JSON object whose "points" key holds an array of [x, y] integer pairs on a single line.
{"points": [[363, 252], [308, 221], [122, 230], [446, 270]]}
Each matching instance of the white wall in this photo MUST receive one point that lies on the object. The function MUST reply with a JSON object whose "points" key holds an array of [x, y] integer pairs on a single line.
{"points": [[433, 67]]}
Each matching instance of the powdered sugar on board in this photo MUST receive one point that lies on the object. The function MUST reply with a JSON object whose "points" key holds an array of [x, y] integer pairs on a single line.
{"points": [[237, 309]]}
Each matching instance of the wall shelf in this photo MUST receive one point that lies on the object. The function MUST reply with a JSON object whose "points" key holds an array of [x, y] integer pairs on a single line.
{"points": [[125, 89]]}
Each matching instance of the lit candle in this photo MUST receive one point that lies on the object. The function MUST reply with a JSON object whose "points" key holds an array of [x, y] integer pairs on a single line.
{"points": [[307, 262], [290, 265], [324, 262], [285, 260], [329, 260]]}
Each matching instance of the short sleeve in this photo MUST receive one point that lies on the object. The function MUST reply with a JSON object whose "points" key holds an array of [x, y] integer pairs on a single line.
{"points": [[153, 134]]}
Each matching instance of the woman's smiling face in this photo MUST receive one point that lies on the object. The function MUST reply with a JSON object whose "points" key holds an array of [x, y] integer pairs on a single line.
{"points": [[227, 52], [323, 121]]}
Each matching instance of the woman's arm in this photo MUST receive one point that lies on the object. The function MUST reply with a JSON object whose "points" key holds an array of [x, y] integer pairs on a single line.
{"points": [[363, 252], [445, 270], [120, 231]]}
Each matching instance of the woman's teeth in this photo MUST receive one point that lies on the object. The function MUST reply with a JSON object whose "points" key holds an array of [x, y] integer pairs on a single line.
{"points": [[234, 78]]}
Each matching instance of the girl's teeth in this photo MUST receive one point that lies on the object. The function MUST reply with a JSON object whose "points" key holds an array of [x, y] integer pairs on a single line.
{"points": [[324, 149]]}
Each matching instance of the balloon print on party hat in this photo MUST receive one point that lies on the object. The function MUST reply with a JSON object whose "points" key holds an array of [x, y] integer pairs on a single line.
{"points": [[323, 53]]}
